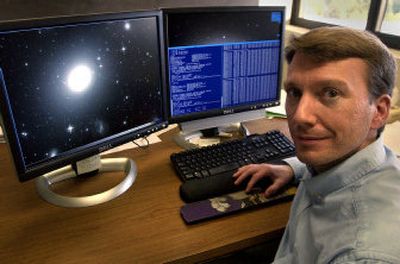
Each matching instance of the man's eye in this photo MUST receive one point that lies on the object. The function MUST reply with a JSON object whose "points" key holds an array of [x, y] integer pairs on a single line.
{"points": [[331, 93], [293, 92]]}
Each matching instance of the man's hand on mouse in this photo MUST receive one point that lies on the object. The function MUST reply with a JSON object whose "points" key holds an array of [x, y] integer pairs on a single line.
{"points": [[280, 176]]}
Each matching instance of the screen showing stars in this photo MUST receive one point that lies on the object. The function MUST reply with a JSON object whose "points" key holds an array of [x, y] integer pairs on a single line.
{"points": [[205, 28], [73, 85]]}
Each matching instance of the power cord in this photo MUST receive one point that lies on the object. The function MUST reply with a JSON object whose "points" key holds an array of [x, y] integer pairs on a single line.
{"points": [[142, 146]]}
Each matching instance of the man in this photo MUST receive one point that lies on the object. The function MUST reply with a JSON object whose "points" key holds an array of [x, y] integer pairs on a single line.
{"points": [[347, 206]]}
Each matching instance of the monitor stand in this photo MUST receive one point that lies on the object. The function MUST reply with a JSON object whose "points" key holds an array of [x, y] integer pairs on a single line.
{"points": [[209, 136], [44, 182], [212, 130]]}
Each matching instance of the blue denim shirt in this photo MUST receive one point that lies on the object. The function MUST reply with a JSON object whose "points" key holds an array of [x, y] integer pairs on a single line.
{"points": [[348, 214]]}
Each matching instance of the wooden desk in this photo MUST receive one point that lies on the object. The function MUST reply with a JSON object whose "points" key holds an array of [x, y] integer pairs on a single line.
{"points": [[141, 226]]}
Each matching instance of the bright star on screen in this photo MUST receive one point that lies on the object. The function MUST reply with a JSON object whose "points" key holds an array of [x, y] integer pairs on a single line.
{"points": [[79, 78]]}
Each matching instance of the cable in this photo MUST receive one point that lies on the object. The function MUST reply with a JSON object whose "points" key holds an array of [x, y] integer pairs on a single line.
{"points": [[142, 146]]}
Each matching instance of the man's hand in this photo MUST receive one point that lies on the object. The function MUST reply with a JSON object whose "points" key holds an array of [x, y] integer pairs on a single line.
{"points": [[280, 175]]}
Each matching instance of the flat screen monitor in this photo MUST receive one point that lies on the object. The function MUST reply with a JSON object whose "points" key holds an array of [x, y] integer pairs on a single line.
{"points": [[74, 87], [223, 64]]}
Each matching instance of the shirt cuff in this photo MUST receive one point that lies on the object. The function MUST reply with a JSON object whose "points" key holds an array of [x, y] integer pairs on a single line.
{"points": [[298, 167]]}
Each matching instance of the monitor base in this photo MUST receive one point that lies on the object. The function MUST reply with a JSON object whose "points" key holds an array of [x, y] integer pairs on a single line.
{"points": [[203, 138], [44, 182]]}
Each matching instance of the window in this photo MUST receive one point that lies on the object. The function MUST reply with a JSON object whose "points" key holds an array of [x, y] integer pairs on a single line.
{"points": [[391, 19], [339, 12], [386, 30], [379, 16]]}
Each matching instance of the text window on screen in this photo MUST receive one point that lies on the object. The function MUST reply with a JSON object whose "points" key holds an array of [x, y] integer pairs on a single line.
{"points": [[222, 75]]}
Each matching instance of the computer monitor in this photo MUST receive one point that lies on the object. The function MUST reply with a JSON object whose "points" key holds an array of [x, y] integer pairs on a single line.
{"points": [[223, 63], [73, 87]]}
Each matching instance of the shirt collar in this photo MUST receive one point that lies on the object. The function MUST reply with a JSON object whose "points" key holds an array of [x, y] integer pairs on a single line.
{"points": [[345, 173]]}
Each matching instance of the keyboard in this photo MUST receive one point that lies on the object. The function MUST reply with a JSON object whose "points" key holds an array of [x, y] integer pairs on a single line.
{"points": [[207, 172]]}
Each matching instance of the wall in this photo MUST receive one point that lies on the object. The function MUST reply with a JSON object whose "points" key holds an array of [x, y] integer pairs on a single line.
{"points": [[23, 9]]}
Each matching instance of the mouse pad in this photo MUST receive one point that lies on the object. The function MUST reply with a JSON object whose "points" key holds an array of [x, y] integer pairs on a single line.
{"points": [[230, 203]]}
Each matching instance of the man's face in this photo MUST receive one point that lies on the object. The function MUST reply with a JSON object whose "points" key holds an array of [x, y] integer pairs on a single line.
{"points": [[329, 111]]}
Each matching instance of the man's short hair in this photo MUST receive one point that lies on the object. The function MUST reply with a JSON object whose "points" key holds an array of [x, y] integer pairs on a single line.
{"points": [[325, 44]]}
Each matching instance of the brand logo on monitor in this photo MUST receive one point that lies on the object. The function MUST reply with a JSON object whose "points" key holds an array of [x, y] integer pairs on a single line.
{"points": [[228, 111], [105, 147]]}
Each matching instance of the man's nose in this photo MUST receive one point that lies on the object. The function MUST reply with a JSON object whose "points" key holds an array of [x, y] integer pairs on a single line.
{"points": [[306, 111]]}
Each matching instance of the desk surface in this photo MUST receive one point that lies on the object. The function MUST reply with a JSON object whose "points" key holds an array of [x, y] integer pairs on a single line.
{"points": [[141, 226]]}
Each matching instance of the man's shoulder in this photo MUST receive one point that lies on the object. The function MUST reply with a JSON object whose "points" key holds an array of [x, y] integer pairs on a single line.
{"points": [[378, 202], [375, 201], [365, 257]]}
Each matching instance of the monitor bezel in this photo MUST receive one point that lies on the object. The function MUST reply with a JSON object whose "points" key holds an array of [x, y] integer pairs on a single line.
{"points": [[228, 110], [25, 173]]}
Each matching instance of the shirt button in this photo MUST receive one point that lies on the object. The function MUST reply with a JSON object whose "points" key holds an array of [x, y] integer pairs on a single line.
{"points": [[318, 199]]}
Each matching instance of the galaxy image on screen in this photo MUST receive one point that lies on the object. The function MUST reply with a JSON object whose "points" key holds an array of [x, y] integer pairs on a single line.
{"points": [[194, 28], [73, 85]]}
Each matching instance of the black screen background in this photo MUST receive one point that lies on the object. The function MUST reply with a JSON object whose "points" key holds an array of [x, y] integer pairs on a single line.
{"points": [[185, 29]]}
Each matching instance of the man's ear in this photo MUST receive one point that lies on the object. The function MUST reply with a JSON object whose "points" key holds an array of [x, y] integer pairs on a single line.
{"points": [[382, 111]]}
